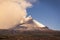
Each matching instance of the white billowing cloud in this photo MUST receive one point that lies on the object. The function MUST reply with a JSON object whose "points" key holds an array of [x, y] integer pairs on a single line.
{"points": [[12, 12]]}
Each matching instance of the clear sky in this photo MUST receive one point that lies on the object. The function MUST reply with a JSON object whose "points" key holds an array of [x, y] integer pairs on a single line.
{"points": [[47, 12]]}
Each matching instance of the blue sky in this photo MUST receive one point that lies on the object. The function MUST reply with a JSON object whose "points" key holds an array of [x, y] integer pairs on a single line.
{"points": [[47, 12]]}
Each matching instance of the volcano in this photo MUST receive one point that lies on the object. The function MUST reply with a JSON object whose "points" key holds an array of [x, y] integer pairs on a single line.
{"points": [[29, 29], [30, 24]]}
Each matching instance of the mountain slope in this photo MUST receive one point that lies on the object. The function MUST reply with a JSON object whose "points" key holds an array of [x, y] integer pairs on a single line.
{"points": [[30, 24], [29, 29]]}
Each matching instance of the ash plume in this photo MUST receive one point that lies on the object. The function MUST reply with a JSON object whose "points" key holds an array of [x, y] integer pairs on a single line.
{"points": [[12, 12]]}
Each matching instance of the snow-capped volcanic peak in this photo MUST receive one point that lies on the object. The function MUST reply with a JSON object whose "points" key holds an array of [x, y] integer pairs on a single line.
{"points": [[29, 18], [30, 24]]}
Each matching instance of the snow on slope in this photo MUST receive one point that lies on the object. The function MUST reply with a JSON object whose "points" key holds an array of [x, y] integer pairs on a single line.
{"points": [[35, 21], [38, 24]]}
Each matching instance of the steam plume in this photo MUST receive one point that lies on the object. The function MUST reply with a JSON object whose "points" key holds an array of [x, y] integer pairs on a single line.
{"points": [[12, 12]]}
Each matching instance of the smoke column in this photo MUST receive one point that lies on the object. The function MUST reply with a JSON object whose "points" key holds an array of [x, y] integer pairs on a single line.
{"points": [[12, 12]]}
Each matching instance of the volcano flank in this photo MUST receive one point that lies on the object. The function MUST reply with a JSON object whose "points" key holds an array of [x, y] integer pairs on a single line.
{"points": [[29, 30]]}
